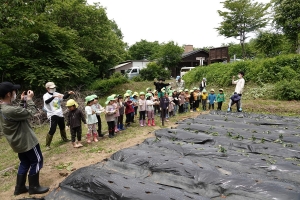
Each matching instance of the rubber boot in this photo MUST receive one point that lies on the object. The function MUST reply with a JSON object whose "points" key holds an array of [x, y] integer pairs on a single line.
{"points": [[116, 129], [63, 135], [153, 123], [48, 141], [88, 138], [95, 137], [141, 123], [149, 122], [34, 185], [20, 186], [122, 127]]}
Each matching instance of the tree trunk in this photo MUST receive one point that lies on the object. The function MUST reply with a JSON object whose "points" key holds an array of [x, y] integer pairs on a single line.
{"points": [[242, 41]]}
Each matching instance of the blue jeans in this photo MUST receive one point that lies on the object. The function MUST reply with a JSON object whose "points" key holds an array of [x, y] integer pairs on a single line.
{"points": [[175, 109], [186, 107]]}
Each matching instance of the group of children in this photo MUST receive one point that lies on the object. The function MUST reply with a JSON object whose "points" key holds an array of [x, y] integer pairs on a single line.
{"points": [[165, 103]]}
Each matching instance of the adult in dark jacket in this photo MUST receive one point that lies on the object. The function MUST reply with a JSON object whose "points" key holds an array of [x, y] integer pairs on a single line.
{"points": [[21, 138], [159, 85]]}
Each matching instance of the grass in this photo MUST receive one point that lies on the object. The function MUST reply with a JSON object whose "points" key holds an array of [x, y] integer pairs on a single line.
{"points": [[64, 157]]}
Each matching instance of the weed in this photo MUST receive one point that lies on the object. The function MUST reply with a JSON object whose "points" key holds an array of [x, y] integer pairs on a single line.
{"points": [[214, 134], [67, 166], [262, 140], [280, 136], [221, 149]]}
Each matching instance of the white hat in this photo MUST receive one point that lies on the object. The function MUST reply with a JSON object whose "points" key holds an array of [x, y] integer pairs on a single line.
{"points": [[50, 85]]}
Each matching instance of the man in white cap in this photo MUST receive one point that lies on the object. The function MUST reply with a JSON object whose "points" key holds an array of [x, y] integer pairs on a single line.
{"points": [[21, 138], [52, 105]]}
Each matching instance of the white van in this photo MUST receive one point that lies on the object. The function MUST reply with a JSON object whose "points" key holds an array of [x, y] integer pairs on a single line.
{"points": [[132, 72], [185, 70]]}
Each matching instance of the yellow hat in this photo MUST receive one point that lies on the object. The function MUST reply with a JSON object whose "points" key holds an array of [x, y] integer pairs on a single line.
{"points": [[72, 102]]}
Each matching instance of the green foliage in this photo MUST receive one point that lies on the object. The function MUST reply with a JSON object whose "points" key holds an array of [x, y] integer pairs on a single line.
{"points": [[242, 17], [137, 78], [104, 86], [61, 41], [153, 71], [169, 55], [287, 18], [144, 50], [283, 70], [271, 44], [287, 90]]}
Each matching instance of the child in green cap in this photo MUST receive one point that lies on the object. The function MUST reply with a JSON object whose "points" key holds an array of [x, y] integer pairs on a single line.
{"points": [[91, 119], [110, 112]]}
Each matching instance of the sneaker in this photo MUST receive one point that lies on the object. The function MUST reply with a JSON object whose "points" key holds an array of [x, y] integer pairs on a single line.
{"points": [[48, 148], [240, 110], [167, 120], [228, 110], [79, 144]]}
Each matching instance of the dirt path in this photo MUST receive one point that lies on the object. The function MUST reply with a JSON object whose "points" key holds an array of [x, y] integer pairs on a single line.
{"points": [[51, 176]]}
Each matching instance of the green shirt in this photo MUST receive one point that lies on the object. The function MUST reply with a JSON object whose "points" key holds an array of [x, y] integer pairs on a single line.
{"points": [[16, 128], [221, 97]]}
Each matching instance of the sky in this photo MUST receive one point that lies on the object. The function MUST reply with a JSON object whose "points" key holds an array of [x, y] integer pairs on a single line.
{"points": [[185, 22]]}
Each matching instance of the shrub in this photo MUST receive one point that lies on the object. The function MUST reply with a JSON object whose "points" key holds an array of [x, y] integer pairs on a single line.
{"points": [[137, 78], [259, 71], [103, 86], [153, 71], [287, 90]]}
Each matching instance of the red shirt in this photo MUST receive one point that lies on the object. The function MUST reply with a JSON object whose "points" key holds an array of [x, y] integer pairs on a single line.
{"points": [[128, 108]]}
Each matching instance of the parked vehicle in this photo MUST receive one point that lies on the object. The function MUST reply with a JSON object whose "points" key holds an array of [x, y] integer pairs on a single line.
{"points": [[133, 71], [185, 70]]}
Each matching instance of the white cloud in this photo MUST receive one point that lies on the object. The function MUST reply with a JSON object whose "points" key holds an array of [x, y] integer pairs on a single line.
{"points": [[185, 22]]}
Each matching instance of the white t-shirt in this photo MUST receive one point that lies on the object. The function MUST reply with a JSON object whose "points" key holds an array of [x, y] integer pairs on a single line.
{"points": [[54, 107], [149, 104], [90, 117], [240, 83]]}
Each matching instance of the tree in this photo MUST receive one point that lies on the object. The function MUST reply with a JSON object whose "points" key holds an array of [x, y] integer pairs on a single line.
{"points": [[242, 17], [169, 54], [287, 19], [144, 50], [270, 44]]}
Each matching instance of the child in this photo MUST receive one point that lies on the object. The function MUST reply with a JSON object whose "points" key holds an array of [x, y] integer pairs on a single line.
{"points": [[204, 99], [150, 109], [235, 99], [74, 118], [164, 104], [220, 99], [171, 104], [187, 100], [110, 112], [196, 95], [142, 105], [121, 112], [211, 99], [156, 102], [176, 101], [181, 101], [91, 119], [128, 109], [135, 105], [117, 114], [99, 109], [191, 100]]}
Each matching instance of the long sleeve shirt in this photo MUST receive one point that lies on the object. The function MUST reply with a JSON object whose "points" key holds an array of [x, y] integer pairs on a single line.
{"points": [[212, 98], [90, 117], [52, 105], [16, 128], [221, 97], [142, 104], [75, 117], [164, 102], [240, 83], [110, 113]]}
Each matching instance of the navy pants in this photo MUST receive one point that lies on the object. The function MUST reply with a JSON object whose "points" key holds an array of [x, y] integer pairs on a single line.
{"points": [[31, 161], [54, 121]]}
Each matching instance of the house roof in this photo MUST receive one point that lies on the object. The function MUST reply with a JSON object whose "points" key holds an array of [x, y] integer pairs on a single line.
{"points": [[121, 65], [184, 55]]}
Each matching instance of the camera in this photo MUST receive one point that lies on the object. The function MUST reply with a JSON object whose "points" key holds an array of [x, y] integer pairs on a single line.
{"points": [[25, 92]]}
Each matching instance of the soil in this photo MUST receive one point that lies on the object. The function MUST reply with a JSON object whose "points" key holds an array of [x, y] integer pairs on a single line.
{"points": [[51, 176]]}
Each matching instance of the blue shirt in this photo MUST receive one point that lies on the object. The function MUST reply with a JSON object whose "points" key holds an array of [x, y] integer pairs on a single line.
{"points": [[211, 98]]}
